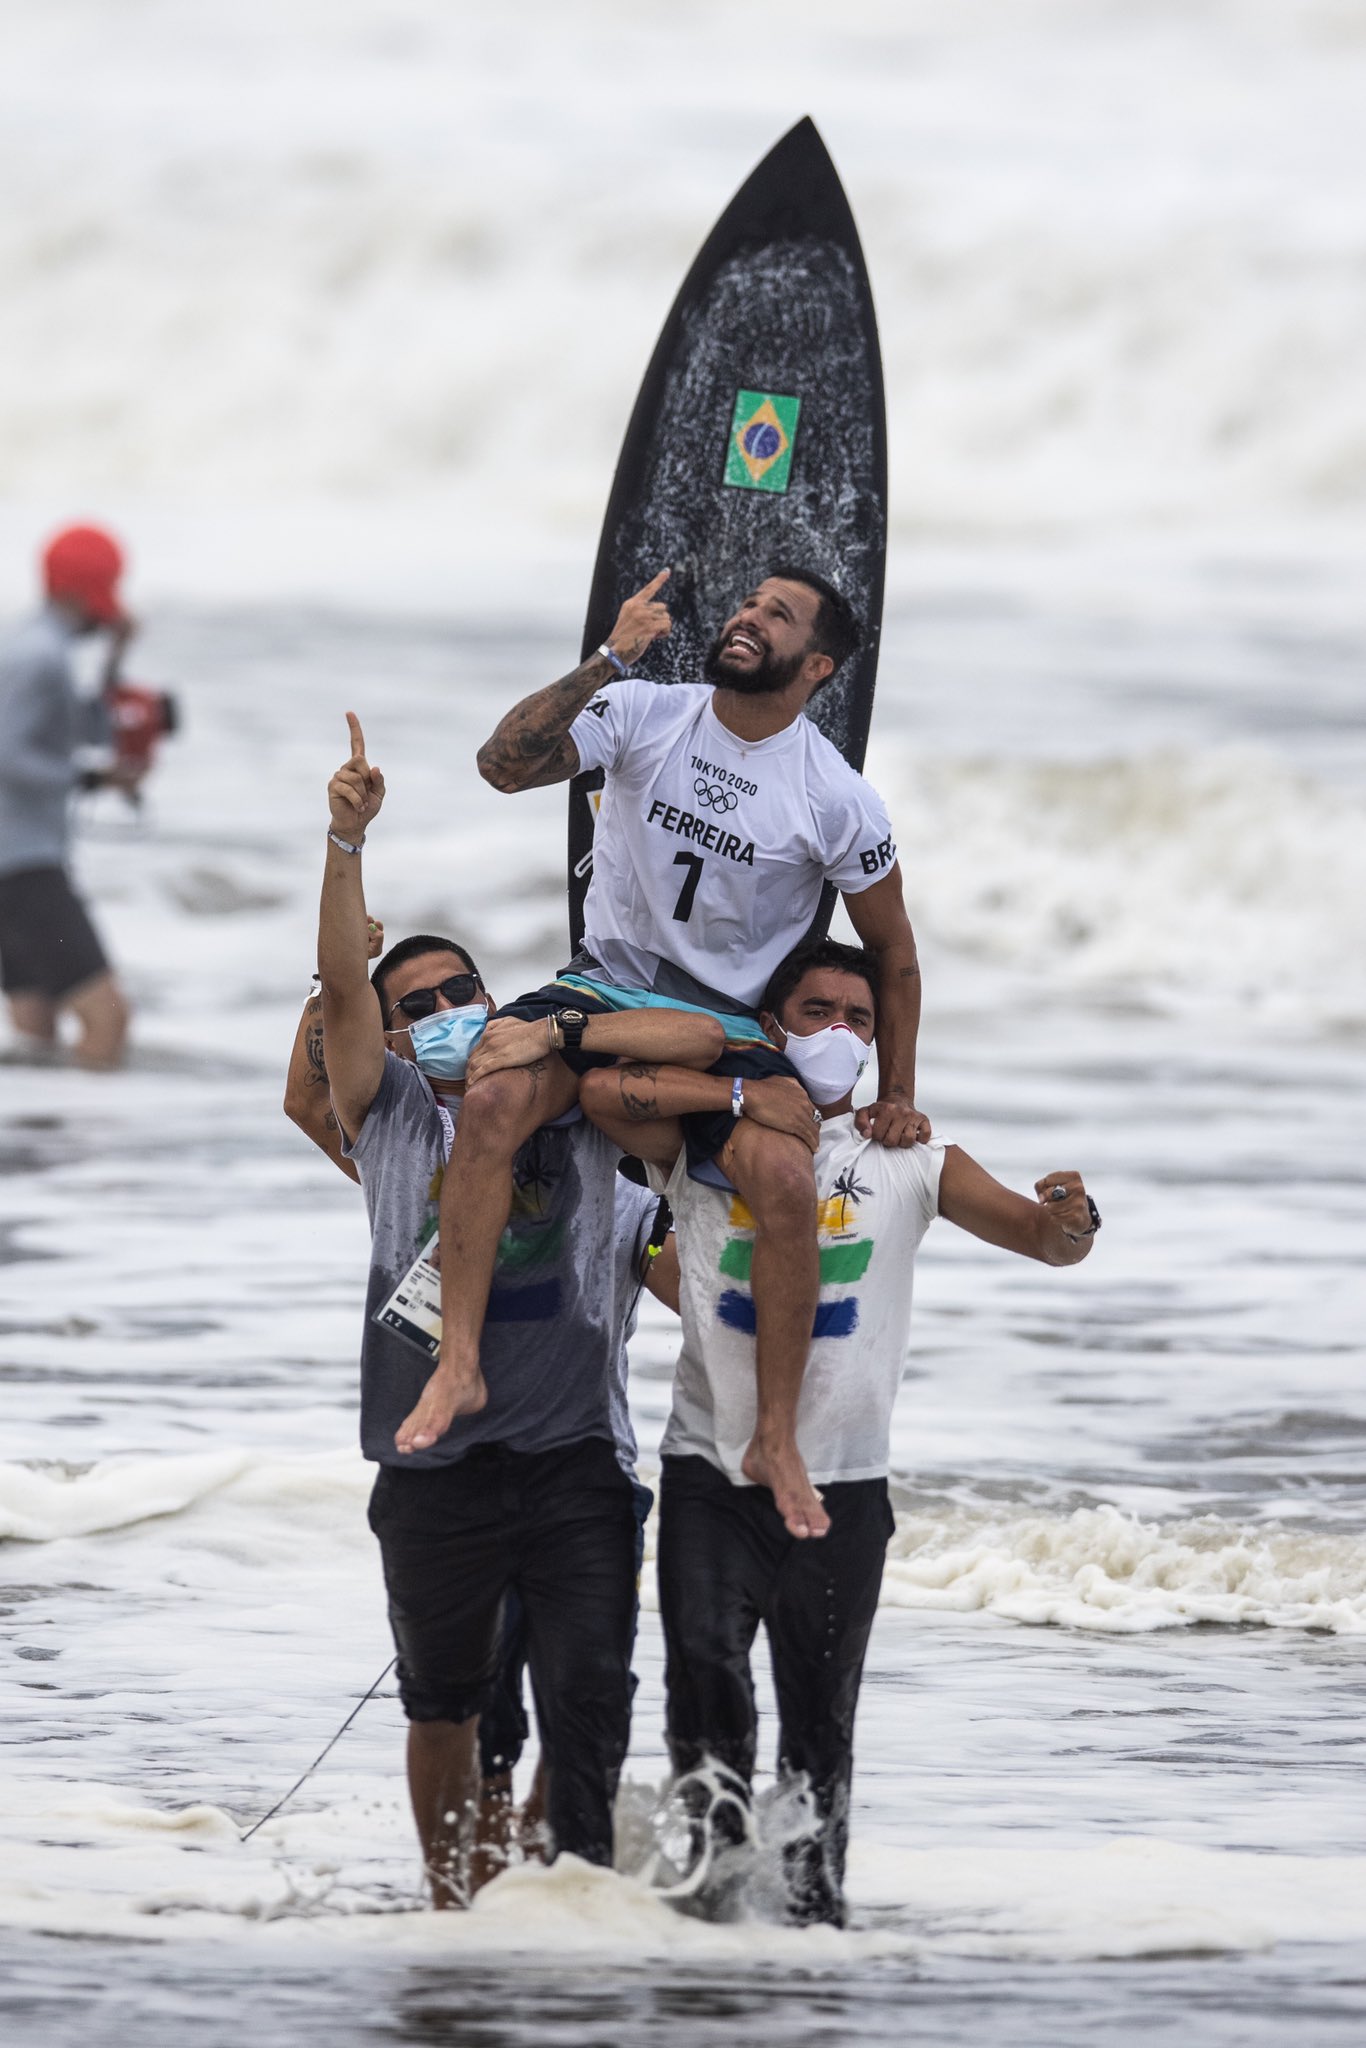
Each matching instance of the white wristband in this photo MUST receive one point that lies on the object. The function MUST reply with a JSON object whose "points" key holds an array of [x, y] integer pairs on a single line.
{"points": [[343, 844], [611, 656], [737, 1097]]}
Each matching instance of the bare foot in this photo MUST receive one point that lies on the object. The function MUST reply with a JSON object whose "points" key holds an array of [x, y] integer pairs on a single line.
{"points": [[780, 1467], [446, 1395]]}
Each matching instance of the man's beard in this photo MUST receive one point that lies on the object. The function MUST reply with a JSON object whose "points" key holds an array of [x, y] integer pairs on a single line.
{"points": [[771, 676]]}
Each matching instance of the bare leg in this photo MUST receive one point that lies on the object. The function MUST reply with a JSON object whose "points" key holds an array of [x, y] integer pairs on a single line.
{"points": [[531, 1819], [495, 1830], [443, 1783], [500, 1827], [101, 1009], [774, 1176], [497, 1116], [34, 1017]]}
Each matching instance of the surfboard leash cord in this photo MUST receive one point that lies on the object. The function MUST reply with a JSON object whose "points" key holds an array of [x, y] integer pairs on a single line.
{"points": [[322, 1753]]}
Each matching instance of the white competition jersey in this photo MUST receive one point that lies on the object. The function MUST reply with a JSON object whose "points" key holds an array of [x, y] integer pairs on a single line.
{"points": [[875, 1205], [710, 850]]}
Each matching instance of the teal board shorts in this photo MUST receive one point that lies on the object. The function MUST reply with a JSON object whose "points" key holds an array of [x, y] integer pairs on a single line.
{"points": [[747, 1053]]}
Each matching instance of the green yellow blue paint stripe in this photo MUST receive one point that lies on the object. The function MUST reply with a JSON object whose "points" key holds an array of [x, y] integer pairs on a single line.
{"points": [[843, 1264], [840, 1263]]}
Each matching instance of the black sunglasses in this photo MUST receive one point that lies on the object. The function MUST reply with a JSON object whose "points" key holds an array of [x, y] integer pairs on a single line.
{"points": [[421, 1002]]}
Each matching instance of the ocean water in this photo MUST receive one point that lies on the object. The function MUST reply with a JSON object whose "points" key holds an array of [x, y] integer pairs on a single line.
{"points": [[1110, 1746], [338, 312]]}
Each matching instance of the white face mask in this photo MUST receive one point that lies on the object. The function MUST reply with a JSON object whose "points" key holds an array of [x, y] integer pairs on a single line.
{"points": [[828, 1062]]}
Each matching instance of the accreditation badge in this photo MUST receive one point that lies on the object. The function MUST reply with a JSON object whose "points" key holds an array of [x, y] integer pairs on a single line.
{"points": [[413, 1310]]}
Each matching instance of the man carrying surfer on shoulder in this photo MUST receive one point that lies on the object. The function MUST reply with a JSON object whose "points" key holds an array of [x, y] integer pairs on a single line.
{"points": [[726, 1561], [724, 814], [646, 1260], [529, 1496]]}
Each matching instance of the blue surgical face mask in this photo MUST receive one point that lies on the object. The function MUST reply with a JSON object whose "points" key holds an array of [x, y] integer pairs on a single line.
{"points": [[443, 1042]]}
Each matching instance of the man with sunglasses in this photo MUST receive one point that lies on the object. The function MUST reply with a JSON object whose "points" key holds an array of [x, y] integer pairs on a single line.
{"points": [[527, 1495], [646, 1255]]}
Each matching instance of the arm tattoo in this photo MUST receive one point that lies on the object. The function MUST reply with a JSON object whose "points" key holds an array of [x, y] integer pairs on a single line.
{"points": [[313, 1044], [559, 764], [535, 1074], [637, 1085], [537, 730]]}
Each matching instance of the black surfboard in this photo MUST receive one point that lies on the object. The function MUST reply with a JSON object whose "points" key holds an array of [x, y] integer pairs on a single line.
{"points": [[759, 437]]}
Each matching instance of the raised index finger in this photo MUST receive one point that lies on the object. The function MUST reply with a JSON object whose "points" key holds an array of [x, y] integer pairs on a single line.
{"points": [[357, 737], [656, 583]]}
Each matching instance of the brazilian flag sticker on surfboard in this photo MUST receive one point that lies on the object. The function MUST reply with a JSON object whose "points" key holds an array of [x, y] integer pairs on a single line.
{"points": [[763, 429]]}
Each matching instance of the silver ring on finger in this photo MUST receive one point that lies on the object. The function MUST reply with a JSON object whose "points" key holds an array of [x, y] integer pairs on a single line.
{"points": [[1057, 1194], [815, 1116]]}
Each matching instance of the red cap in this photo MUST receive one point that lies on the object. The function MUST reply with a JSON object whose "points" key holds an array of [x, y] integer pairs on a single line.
{"points": [[82, 565]]}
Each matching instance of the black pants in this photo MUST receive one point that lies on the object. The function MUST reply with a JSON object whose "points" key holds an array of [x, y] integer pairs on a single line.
{"points": [[727, 1563], [503, 1725], [557, 1528]]}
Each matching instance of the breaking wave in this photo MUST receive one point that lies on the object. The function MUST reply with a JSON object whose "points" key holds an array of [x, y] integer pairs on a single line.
{"points": [[1101, 1569], [391, 278], [1097, 1568], [1177, 876]]}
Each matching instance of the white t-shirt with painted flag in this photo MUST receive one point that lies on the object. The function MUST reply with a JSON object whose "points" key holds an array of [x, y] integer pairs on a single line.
{"points": [[875, 1205], [710, 851]]}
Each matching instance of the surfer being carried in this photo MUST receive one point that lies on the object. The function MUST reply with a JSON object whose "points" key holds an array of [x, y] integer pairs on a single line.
{"points": [[724, 813]]}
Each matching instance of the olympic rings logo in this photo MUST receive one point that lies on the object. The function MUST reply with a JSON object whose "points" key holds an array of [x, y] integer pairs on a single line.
{"points": [[714, 796]]}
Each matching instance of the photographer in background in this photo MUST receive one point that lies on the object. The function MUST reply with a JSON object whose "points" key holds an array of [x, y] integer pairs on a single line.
{"points": [[51, 959]]}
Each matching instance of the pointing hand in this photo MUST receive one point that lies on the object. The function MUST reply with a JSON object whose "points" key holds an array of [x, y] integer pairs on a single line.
{"points": [[356, 791], [642, 620]]}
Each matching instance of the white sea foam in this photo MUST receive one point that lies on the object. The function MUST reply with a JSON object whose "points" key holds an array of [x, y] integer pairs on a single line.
{"points": [[1100, 1569], [1096, 1568], [38, 1506], [42, 1505], [183, 1873], [95, 1862], [396, 267]]}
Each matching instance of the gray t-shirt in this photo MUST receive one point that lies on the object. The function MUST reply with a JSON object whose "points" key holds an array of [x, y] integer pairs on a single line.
{"points": [[566, 1282], [43, 721]]}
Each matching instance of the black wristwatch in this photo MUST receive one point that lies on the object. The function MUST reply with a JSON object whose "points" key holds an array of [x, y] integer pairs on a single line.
{"points": [[571, 1023], [1077, 1235]]}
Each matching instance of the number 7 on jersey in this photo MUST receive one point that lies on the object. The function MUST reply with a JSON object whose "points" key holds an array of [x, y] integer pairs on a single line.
{"points": [[693, 863]]}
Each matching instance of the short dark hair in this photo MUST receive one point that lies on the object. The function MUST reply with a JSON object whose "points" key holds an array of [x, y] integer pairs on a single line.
{"points": [[408, 949], [814, 953], [836, 631]]}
